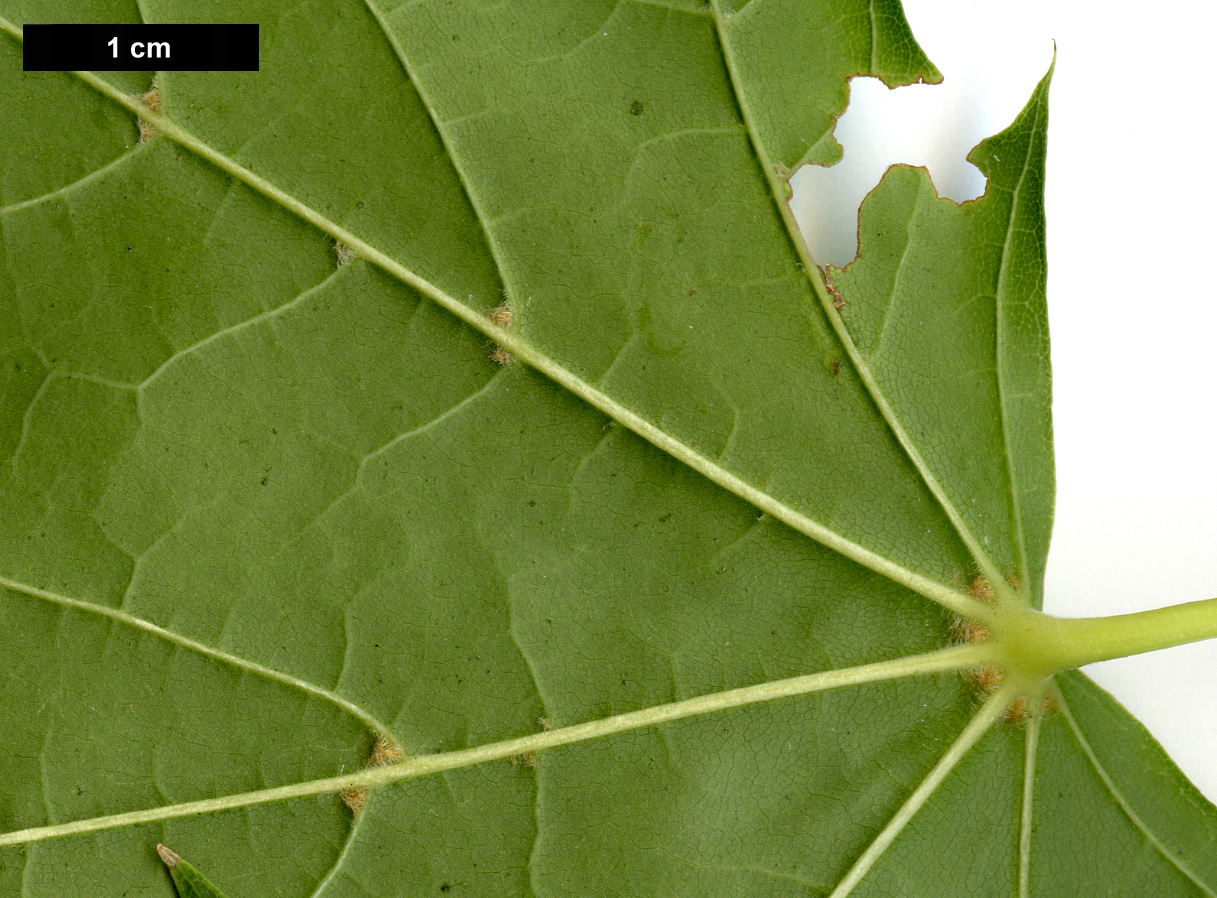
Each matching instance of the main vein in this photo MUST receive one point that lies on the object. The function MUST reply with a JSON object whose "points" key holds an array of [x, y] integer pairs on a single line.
{"points": [[949, 659], [525, 352]]}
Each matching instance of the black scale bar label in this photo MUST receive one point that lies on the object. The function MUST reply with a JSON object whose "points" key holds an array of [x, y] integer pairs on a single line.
{"points": [[140, 48]]}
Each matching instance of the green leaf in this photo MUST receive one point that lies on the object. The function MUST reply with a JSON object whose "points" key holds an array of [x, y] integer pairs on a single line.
{"points": [[265, 506]]}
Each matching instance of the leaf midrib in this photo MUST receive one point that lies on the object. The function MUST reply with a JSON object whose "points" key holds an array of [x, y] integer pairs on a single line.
{"points": [[527, 353]]}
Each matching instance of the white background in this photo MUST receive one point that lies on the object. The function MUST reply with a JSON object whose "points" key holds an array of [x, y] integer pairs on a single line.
{"points": [[1132, 306]]}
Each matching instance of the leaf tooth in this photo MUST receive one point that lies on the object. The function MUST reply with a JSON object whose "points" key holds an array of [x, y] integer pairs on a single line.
{"points": [[171, 858]]}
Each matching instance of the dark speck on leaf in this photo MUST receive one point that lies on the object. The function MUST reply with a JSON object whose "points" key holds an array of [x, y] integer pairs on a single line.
{"points": [[636, 107]]}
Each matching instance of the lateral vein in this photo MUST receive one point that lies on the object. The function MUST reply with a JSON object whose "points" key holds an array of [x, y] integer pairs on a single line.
{"points": [[953, 658], [194, 645], [528, 354]]}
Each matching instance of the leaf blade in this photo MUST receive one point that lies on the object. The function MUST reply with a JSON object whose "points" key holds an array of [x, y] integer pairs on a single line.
{"points": [[313, 460]]}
